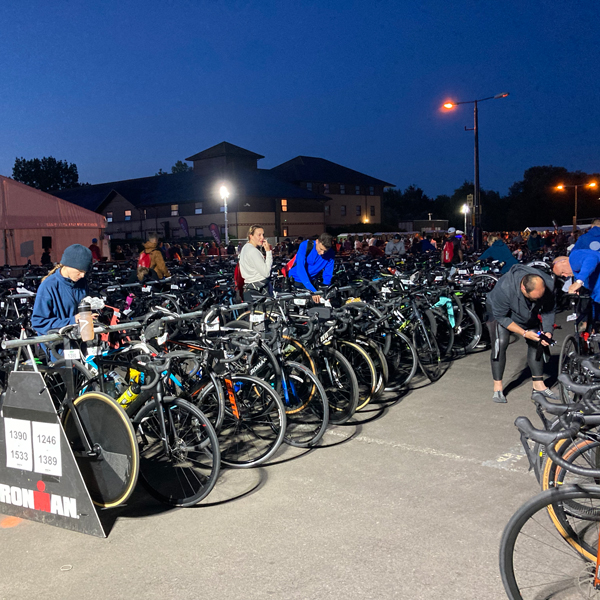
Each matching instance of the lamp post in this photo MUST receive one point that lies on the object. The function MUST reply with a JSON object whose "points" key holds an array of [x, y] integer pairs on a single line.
{"points": [[224, 195], [477, 239], [562, 186], [465, 211]]}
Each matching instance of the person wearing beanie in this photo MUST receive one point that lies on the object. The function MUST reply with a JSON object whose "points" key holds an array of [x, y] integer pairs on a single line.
{"points": [[62, 290], [95, 249]]}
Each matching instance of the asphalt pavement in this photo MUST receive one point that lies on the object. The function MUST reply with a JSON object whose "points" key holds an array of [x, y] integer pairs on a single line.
{"points": [[410, 504]]}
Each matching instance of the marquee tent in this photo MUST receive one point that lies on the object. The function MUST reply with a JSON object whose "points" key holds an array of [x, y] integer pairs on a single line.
{"points": [[27, 215]]}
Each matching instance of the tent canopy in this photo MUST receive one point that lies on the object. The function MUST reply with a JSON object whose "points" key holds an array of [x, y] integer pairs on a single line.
{"points": [[27, 215]]}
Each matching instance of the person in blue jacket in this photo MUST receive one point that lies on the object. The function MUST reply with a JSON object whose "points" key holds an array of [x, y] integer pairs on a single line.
{"points": [[62, 290], [591, 239], [319, 260], [498, 250]]}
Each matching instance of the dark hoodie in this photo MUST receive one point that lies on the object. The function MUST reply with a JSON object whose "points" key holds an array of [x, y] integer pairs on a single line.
{"points": [[506, 303]]}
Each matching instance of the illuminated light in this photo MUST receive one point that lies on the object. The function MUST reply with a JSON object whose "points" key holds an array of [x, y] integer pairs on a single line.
{"points": [[448, 105], [592, 184], [224, 192], [560, 187]]}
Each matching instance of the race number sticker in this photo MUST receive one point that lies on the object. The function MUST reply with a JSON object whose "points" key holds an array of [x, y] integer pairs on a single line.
{"points": [[18, 444], [72, 354], [257, 318], [46, 448]]}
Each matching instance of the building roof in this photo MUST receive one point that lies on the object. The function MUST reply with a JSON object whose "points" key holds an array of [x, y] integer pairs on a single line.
{"points": [[310, 168], [180, 188], [224, 149]]}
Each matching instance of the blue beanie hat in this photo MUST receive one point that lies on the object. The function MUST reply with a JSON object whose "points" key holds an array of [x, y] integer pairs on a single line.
{"points": [[77, 257]]}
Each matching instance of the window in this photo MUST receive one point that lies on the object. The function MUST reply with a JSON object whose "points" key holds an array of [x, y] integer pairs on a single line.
{"points": [[109, 217], [285, 232], [342, 189], [144, 214], [358, 210], [199, 231], [198, 208], [174, 210], [326, 188], [309, 186], [128, 215], [283, 205], [371, 191], [357, 188], [327, 210], [372, 210], [223, 231], [343, 210]]}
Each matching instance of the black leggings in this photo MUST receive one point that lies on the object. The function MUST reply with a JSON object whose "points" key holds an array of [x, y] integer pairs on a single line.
{"points": [[500, 336]]}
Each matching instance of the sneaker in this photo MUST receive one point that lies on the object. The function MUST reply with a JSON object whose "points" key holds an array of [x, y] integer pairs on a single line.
{"points": [[499, 397], [547, 393]]}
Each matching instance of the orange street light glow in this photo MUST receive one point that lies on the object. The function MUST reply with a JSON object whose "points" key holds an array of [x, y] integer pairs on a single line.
{"points": [[448, 105], [560, 187], [592, 184]]}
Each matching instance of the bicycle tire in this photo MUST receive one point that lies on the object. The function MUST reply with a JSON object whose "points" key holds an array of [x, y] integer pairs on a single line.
{"points": [[568, 351], [110, 480], [254, 423], [428, 353], [381, 365], [530, 542], [306, 406], [364, 369], [402, 359], [442, 330], [467, 335]]}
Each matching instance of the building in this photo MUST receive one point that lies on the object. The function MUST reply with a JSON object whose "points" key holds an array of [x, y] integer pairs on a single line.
{"points": [[298, 198]]}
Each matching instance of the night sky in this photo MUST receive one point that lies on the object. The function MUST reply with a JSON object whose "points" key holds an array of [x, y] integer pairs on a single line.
{"points": [[123, 89]]}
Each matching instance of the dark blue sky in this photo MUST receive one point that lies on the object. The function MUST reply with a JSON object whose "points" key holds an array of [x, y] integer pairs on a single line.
{"points": [[125, 88]]}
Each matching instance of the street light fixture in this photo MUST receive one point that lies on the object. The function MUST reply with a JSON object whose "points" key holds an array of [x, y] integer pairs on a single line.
{"points": [[477, 236], [561, 187], [464, 209], [224, 195]]}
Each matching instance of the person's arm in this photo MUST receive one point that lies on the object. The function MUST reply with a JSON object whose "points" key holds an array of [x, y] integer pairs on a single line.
{"points": [[328, 271], [588, 266], [300, 272], [43, 317]]}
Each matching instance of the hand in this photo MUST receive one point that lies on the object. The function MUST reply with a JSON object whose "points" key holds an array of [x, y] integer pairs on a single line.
{"points": [[548, 335], [574, 288], [532, 335], [316, 298], [266, 246]]}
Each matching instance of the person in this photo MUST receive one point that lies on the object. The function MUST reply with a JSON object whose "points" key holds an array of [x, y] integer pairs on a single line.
{"points": [[95, 250], [498, 250], [457, 254], [320, 260], [513, 305], [231, 248], [395, 246], [591, 239], [157, 261], [535, 242], [358, 245], [254, 267], [119, 254], [46, 258], [213, 249], [61, 291], [426, 245]]}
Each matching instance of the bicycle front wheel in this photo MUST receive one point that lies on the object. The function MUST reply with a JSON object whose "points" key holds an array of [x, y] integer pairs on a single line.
{"points": [[111, 477], [182, 470], [539, 559]]}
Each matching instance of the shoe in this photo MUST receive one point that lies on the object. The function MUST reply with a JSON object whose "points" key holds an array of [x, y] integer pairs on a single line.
{"points": [[499, 397], [547, 393]]}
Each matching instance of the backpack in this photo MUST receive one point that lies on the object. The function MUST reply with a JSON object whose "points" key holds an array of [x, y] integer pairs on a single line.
{"points": [[285, 271], [448, 252], [238, 280], [144, 260]]}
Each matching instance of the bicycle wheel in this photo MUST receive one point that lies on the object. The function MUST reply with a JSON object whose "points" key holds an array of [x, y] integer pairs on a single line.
{"points": [[54, 380], [427, 352], [442, 330], [210, 399], [340, 383], [254, 422], [402, 360], [364, 369], [535, 561], [306, 406], [184, 472], [567, 364], [381, 365], [468, 334], [111, 478]]}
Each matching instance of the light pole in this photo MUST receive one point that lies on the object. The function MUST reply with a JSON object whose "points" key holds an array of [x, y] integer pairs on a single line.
{"points": [[465, 211], [477, 237], [562, 186], [224, 195]]}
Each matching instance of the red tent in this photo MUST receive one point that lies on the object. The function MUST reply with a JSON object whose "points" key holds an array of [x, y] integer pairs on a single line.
{"points": [[27, 215]]}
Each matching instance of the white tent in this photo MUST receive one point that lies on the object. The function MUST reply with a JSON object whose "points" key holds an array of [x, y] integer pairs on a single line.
{"points": [[27, 215]]}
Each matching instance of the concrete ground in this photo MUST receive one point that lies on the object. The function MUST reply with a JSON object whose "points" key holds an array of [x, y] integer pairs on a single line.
{"points": [[409, 505]]}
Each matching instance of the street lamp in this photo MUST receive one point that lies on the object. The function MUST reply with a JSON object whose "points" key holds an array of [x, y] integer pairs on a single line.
{"points": [[476, 201], [465, 211], [224, 195], [562, 186]]}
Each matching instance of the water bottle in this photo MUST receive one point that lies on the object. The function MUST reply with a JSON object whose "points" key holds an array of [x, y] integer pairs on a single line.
{"points": [[130, 394], [86, 322], [119, 382]]}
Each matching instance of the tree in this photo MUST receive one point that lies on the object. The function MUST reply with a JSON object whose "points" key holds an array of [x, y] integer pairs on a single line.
{"points": [[178, 167], [46, 174]]}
